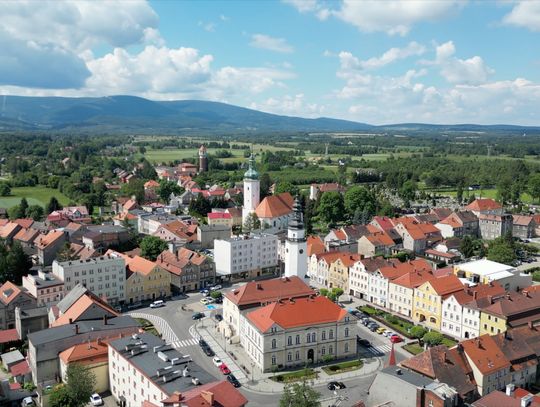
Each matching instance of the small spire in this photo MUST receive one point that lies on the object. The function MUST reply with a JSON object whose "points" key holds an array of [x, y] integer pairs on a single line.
{"points": [[391, 357]]}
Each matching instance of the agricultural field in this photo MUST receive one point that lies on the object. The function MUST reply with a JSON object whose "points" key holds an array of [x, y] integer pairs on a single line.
{"points": [[34, 195]]}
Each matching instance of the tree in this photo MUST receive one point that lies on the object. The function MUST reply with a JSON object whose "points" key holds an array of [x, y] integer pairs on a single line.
{"points": [[299, 395], [24, 207], [152, 246], [408, 191], [432, 338], [534, 186], [5, 189], [215, 294], [251, 223], [418, 332], [200, 206], [459, 193], [16, 212], [467, 247], [331, 208], [59, 396], [16, 263], [360, 199], [265, 182], [35, 212], [166, 188], [53, 205], [286, 186], [134, 188], [502, 251], [66, 253], [76, 392], [147, 171]]}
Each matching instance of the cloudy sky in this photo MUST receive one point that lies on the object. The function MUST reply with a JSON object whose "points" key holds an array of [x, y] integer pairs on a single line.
{"points": [[378, 62]]}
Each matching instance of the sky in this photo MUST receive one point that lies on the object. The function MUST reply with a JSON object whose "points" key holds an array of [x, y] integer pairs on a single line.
{"points": [[377, 62]]}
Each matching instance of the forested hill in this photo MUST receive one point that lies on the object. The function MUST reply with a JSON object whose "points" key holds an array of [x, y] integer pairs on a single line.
{"points": [[130, 114]]}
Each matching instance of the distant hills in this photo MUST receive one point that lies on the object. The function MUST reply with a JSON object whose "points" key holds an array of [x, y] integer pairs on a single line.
{"points": [[130, 114]]}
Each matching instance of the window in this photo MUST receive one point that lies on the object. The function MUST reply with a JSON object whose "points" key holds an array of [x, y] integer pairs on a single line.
{"points": [[298, 339], [273, 359], [331, 334], [274, 344], [323, 351], [289, 357], [313, 337], [323, 336], [289, 340], [346, 332], [346, 348], [297, 355], [308, 338]]}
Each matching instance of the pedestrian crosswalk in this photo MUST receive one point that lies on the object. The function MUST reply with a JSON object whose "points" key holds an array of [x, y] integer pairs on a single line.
{"points": [[380, 350], [182, 343], [166, 331]]}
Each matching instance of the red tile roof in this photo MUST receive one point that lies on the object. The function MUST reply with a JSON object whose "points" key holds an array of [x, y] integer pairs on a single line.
{"points": [[151, 184], [485, 354], [80, 306], [20, 368], [274, 206], [265, 291], [446, 285], [222, 394], [86, 353], [500, 399], [315, 245], [9, 229], [484, 204], [522, 220], [45, 240], [9, 335], [8, 292], [384, 222], [24, 223], [175, 262], [414, 279], [296, 313], [219, 215]]}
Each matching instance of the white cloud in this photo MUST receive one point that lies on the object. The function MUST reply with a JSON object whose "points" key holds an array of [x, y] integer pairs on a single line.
{"points": [[463, 71], [270, 43], [392, 55], [210, 27], [525, 14], [390, 16], [223, 17], [290, 106]]}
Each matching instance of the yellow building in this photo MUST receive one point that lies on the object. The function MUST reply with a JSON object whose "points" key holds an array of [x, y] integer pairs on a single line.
{"points": [[338, 272], [428, 298], [491, 324]]}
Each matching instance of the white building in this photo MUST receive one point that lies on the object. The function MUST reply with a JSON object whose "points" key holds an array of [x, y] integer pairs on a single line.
{"points": [[359, 275], [246, 256], [296, 245], [295, 332], [252, 190], [46, 288], [104, 276], [485, 271]]}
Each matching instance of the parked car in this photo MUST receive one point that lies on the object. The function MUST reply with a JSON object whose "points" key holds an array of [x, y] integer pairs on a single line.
{"points": [[218, 317], [96, 400], [366, 321], [157, 304], [205, 293], [217, 361], [364, 342], [208, 351], [388, 334], [224, 369], [396, 339], [373, 327], [354, 312], [205, 301], [202, 343], [381, 330], [233, 380], [197, 315], [219, 300], [27, 402], [216, 287], [336, 385]]}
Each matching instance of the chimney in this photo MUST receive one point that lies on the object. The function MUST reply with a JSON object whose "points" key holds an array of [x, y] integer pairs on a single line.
{"points": [[526, 400], [76, 329], [475, 295], [105, 319], [259, 286], [70, 321], [490, 299], [508, 296], [530, 324], [460, 348], [526, 293], [478, 345], [510, 389], [208, 397]]}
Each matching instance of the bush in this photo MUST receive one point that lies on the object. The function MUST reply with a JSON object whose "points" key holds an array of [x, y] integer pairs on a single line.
{"points": [[432, 338], [391, 319], [418, 331]]}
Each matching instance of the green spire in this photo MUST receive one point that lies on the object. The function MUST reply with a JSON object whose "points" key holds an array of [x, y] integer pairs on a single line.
{"points": [[251, 173]]}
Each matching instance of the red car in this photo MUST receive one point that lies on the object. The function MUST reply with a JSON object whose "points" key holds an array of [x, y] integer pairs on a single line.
{"points": [[224, 369], [395, 339]]}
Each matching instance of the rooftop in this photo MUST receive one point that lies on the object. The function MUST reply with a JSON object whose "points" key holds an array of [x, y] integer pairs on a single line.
{"points": [[274, 206], [86, 353], [484, 204], [483, 267], [484, 353]]}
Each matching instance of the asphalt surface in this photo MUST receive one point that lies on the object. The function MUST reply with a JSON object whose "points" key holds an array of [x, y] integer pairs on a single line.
{"points": [[177, 313]]}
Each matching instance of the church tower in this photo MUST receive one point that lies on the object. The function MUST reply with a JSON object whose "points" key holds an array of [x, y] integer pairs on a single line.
{"points": [[203, 159], [251, 189], [296, 245]]}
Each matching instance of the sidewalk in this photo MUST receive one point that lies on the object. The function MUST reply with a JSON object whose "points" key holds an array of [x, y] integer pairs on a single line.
{"points": [[260, 382]]}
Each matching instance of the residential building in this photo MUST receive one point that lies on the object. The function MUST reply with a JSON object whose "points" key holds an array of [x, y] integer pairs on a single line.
{"points": [[101, 237], [220, 218], [446, 366], [316, 189], [406, 388], [523, 226], [459, 224], [62, 217], [428, 298], [494, 226], [378, 243], [359, 275], [258, 293], [485, 206], [382, 222], [338, 273], [94, 356], [298, 331], [442, 257], [9, 231], [401, 291], [157, 372], [145, 280], [441, 213], [510, 311], [414, 239], [30, 320], [104, 276], [246, 256], [485, 271], [48, 246], [274, 211], [206, 234], [46, 288], [177, 232], [12, 297], [189, 270], [149, 223], [44, 346], [498, 398], [456, 317]]}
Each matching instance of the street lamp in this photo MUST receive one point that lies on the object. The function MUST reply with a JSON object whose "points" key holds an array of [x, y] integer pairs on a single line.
{"points": [[252, 367]]}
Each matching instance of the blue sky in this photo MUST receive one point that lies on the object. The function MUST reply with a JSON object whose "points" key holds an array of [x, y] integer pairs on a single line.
{"points": [[370, 61]]}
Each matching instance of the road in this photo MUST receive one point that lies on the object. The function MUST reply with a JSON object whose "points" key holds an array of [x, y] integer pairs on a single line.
{"points": [[175, 323]]}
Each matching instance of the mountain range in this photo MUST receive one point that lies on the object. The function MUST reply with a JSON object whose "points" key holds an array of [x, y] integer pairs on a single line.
{"points": [[131, 114]]}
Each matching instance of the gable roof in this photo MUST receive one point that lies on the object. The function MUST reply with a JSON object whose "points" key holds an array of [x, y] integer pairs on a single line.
{"points": [[222, 393], [315, 245], [274, 206], [86, 353], [446, 285], [483, 204], [485, 354], [296, 313], [44, 241], [522, 220], [24, 222], [8, 292], [383, 221], [441, 213], [414, 278], [175, 262], [9, 230], [264, 291]]}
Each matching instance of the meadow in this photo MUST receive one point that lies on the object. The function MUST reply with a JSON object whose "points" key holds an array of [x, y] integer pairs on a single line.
{"points": [[34, 195]]}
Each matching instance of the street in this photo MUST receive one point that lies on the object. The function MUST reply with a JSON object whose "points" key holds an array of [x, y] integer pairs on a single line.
{"points": [[175, 324]]}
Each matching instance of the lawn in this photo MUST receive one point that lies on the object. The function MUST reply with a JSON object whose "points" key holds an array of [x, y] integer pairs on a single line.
{"points": [[34, 196], [449, 343], [147, 326], [295, 376], [343, 367], [413, 348]]}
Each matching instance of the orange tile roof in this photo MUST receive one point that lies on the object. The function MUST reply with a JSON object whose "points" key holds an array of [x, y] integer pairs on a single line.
{"points": [[381, 239], [384, 222], [175, 262], [223, 394], [151, 184], [80, 306], [3, 222], [130, 205], [86, 353], [484, 204], [8, 292], [260, 292], [24, 223], [522, 220], [446, 285], [45, 240], [414, 279], [296, 313], [315, 245], [274, 206], [26, 235], [485, 354], [8, 229]]}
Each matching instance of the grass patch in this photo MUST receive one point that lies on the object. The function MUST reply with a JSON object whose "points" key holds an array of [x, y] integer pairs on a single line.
{"points": [[397, 324], [343, 367], [368, 310], [413, 348], [449, 343], [147, 326], [295, 376], [34, 195]]}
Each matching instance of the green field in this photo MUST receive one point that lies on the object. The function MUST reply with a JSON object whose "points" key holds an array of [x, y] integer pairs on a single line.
{"points": [[34, 196], [485, 193]]}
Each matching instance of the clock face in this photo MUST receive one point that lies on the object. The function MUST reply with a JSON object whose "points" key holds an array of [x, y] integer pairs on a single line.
{"points": [[301, 251]]}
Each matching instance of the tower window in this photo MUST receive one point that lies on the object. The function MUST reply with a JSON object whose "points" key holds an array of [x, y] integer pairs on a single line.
{"points": [[301, 251]]}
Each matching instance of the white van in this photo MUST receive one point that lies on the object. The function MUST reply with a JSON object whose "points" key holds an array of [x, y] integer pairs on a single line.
{"points": [[157, 304]]}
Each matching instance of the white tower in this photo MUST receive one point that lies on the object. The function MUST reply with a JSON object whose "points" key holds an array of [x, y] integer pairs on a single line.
{"points": [[251, 190], [295, 245]]}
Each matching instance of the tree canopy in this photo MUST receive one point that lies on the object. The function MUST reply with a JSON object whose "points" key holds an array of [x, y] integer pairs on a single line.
{"points": [[151, 247], [299, 395]]}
